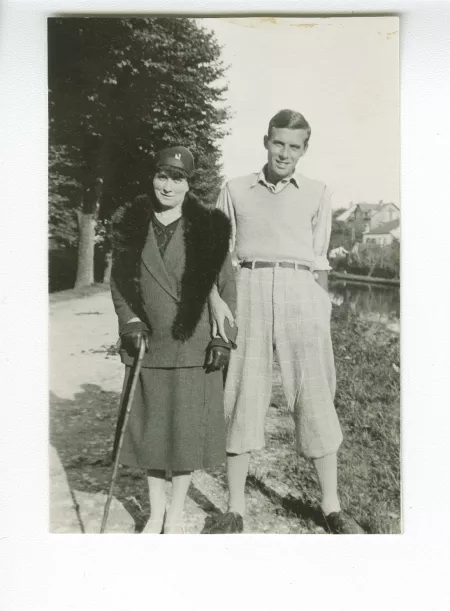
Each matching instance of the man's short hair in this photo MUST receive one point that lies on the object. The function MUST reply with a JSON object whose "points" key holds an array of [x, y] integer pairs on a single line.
{"points": [[289, 119]]}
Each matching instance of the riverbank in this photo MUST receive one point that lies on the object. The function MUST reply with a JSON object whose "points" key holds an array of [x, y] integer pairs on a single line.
{"points": [[358, 278]]}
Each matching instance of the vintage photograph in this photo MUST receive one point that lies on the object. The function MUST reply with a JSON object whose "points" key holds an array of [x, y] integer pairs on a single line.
{"points": [[224, 275]]}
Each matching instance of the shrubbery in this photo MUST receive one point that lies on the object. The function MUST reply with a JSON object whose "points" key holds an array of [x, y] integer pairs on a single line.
{"points": [[371, 260]]}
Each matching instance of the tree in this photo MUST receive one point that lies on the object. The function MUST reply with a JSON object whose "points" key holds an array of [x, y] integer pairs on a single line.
{"points": [[341, 232], [372, 256], [64, 193], [119, 89], [384, 258]]}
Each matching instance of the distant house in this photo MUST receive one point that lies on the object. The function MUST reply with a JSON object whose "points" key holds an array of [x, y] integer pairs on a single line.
{"points": [[383, 234], [364, 217], [387, 213]]}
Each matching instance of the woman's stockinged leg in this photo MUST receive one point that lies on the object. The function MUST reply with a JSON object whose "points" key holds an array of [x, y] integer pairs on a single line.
{"points": [[157, 493], [181, 481]]}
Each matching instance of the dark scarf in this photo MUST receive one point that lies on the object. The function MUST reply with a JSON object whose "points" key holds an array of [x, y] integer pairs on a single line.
{"points": [[206, 235]]}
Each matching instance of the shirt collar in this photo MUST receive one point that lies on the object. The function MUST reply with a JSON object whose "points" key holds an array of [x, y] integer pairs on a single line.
{"points": [[261, 178]]}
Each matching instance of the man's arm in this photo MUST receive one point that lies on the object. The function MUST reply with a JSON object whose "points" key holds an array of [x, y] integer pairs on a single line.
{"points": [[226, 292], [225, 204], [322, 278], [219, 308], [321, 239], [222, 318]]}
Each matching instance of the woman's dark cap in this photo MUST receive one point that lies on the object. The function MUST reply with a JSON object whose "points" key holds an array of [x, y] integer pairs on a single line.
{"points": [[176, 157]]}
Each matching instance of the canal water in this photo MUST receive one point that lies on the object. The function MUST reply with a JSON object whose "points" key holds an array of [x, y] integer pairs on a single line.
{"points": [[377, 303]]}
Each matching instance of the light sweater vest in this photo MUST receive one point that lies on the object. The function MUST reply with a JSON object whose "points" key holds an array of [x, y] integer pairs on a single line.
{"points": [[275, 226]]}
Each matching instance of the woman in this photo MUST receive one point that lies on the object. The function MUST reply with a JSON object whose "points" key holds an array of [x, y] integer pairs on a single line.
{"points": [[169, 250]]}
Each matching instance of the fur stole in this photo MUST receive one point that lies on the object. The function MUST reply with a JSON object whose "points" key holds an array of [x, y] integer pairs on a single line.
{"points": [[206, 236]]}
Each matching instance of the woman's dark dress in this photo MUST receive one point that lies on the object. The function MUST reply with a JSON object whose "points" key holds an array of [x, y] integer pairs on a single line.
{"points": [[177, 420]]}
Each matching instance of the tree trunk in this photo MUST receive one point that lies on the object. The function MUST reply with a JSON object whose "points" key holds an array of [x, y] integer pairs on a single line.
{"points": [[107, 272], [86, 244], [92, 181]]}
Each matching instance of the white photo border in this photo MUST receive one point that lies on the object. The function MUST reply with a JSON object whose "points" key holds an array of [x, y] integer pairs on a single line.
{"points": [[270, 572]]}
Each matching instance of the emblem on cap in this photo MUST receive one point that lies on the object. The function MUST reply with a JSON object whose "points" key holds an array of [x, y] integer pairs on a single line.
{"points": [[178, 157]]}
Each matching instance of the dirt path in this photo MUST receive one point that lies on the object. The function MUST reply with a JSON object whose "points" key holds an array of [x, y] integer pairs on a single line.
{"points": [[85, 383]]}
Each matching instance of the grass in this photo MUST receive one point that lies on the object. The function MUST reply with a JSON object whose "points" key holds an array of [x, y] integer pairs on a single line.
{"points": [[368, 404]]}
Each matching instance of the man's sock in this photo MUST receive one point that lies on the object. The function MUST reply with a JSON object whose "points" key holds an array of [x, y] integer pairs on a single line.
{"points": [[326, 468], [237, 470]]}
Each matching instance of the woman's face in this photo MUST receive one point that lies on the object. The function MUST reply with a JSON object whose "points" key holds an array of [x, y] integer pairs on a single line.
{"points": [[169, 191]]}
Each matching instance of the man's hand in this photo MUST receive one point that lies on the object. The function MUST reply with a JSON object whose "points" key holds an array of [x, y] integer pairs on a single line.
{"points": [[217, 357], [321, 277], [132, 336], [219, 311]]}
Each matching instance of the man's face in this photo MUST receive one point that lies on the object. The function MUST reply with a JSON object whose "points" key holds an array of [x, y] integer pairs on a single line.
{"points": [[284, 148], [169, 191]]}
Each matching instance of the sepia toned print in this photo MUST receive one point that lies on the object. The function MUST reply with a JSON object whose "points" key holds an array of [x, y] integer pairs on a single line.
{"points": [[224, 196]]}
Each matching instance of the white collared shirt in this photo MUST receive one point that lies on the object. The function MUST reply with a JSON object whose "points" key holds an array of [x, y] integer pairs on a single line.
{"points": [[280, 185], [312, 235]]}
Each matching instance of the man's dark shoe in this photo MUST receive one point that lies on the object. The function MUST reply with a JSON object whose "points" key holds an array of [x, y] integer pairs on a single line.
{"points": [[340, 523], [228, 523]]}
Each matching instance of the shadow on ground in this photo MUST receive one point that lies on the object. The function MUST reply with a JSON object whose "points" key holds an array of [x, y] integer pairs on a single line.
{"points": [[301, 508], [82, 431]]}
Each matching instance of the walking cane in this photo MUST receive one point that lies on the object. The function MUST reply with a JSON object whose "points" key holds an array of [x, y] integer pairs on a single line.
{"points": [[135, 376]]}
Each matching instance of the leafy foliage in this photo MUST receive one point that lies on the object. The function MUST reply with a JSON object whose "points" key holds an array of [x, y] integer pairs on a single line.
{"points": [[120, 89], [367, 259], [64, 196], [377, 260], [343, 233]]}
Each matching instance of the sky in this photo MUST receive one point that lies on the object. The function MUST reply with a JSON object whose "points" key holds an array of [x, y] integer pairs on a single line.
{"points": [[342, 74]]}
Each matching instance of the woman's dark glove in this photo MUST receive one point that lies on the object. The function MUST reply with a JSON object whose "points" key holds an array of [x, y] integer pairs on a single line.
{"points": [[132, 335], [217, 357]]}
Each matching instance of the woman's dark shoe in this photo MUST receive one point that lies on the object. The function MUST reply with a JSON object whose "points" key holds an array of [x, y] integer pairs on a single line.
{"points": [[340, 523], [229, 523]]}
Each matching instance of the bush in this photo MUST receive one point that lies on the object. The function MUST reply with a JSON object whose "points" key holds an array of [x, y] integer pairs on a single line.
{"points": [[372, 260]]}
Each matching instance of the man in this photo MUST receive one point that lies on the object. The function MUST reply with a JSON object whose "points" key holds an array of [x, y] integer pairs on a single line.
{"points": [[281, 224]]}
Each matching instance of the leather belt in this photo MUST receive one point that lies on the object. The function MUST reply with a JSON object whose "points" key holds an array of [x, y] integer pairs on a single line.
{"points": [[283, 264]]}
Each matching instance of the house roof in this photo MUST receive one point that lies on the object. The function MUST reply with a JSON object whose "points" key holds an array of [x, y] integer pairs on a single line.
{"points": [[347, 214], [369, 207], [365, 208], [384, 228]]}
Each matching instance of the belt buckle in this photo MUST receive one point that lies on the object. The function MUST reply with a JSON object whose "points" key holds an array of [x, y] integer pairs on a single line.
{"points": [[253, 264], [277, 264]]}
